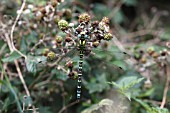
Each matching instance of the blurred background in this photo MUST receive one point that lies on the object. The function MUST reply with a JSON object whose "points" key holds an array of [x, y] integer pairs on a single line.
{"points": [[111, 80]]}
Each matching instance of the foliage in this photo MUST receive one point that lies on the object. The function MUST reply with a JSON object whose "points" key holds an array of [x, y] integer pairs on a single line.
{"points": [[125, 84], [128, 56]]}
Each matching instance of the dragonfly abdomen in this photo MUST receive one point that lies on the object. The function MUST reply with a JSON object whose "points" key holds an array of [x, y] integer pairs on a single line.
{"points": [[80, 75]]}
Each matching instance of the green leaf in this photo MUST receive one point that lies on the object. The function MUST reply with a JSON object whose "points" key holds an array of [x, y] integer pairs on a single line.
{"points": [[59, 74], [13, 56], [158, 110], [125, 84], [98, 84], [120, 64], [27, 100], [151, 109], [33, 61], [145, 105], [127, 94], [149, 92]]}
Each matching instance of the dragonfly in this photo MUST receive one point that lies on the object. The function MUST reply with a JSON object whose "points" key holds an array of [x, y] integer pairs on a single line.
{"points": [[84, 39], [84, 50]]}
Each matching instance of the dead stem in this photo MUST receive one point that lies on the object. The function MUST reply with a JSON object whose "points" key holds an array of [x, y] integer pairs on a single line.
{"points": [[166, 87], [13, 28]]}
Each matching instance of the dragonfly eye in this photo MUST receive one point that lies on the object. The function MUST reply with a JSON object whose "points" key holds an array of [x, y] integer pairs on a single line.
{"points": [[79, 36], [86, 36]]}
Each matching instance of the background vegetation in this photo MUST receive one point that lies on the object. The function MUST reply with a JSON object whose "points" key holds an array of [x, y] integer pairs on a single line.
{"points": [[32, 80]]}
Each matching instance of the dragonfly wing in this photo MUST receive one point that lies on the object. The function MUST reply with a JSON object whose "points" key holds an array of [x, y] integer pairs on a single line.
{"points": [[113, 56]]}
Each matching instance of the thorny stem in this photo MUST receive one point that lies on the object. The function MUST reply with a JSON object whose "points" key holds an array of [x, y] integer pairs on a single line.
{"points": [[166, 87]]}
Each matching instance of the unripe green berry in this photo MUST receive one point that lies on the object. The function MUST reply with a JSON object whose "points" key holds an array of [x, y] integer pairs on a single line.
{"points": [[63, 24], [96, 44], [51, 55], [150, 50], [45, 51], [108, 36], [143, 60], [59, 39], [105, 20], [155, 55], [84, 18], [75, 75]]}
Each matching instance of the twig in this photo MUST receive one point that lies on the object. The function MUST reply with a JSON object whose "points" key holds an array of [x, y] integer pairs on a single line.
{"points": [[69, 105], [59, 59], [13, 28], [16, 20], [166, 87], [21, 78]]}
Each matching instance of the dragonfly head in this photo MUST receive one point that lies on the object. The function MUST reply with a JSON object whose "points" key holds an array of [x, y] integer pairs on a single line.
{"points": [[83, 35]]}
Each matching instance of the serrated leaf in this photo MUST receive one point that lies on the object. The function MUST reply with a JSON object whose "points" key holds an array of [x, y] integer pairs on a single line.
{"points": [[145, 105], [125, 84], [13, 56], [128, 82], [158, 110], [147, 93], [32, 61], [120, 64], [128, 95]]}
